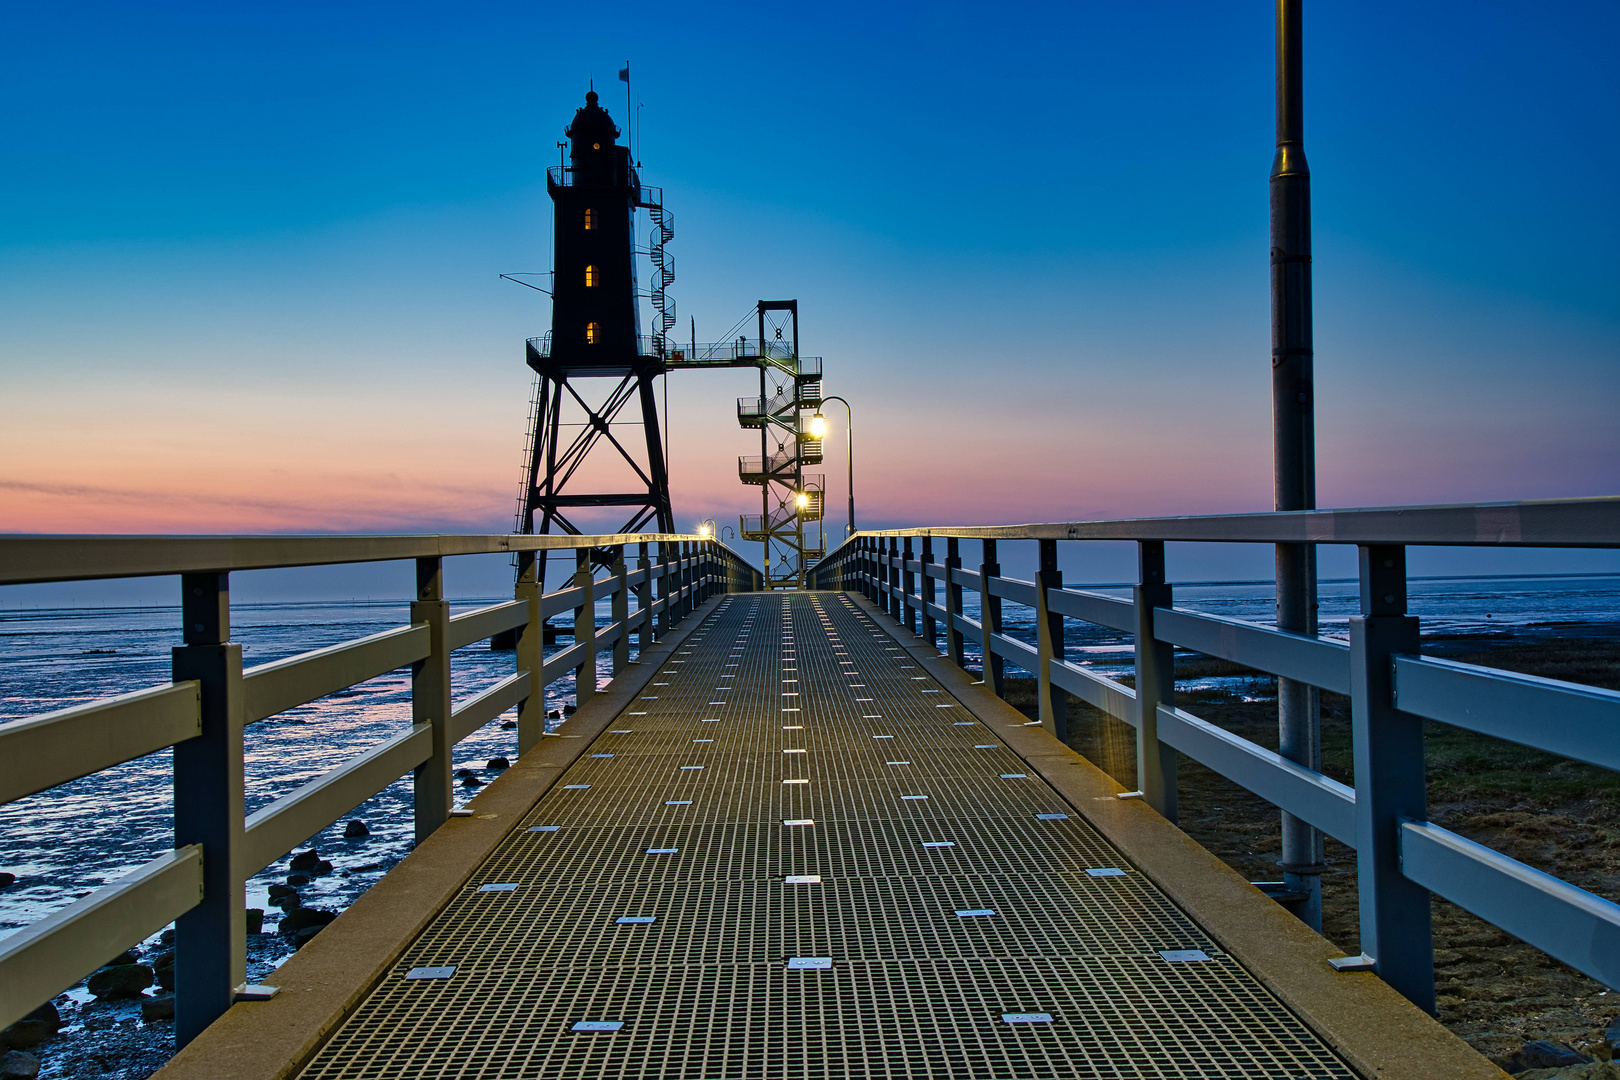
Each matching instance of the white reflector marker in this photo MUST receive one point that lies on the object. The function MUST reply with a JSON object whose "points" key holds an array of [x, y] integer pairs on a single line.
{"points": [[799, 821], [795, 751], [575, 787], [662, 850], [969, 913], [544, 828], [1106, 871], [598, 1025], [795, 781], [939, 843], [635, 920], [1184, 956], [1026, 1018], [430, 972], [1051, 817], [914, 797], [497, 888], [1014, 776], [809, 963], [802, 879]]}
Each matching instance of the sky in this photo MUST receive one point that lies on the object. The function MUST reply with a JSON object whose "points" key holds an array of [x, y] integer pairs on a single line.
{"points": [[249, 253]]}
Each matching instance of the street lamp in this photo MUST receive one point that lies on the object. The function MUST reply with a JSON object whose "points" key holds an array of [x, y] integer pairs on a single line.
{"points": [[818, 428]]}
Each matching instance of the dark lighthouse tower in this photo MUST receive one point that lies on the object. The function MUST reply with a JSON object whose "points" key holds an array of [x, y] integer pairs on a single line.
{"points": [[595, 345]]}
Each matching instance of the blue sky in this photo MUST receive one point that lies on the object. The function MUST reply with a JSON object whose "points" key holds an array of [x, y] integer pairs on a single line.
{"points": [[248, 252]]}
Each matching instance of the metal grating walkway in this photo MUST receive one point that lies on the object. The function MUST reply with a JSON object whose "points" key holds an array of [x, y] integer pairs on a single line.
{"points": [[798, 857]]}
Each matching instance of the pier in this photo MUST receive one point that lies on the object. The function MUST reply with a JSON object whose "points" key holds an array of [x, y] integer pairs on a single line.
{"points": [[855, 857]]}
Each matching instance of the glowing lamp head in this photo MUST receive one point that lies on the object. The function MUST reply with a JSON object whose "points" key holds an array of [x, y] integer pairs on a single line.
{"points": [[804, 499], [818, 425], [704, 531]]}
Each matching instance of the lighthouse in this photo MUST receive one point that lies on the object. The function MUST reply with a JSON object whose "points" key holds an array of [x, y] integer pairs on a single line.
{"points": [[596, 372]]}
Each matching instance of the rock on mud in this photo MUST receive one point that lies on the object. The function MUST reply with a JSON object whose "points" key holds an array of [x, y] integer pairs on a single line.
{"points": [[121, 980], [158, 1008], [32, 1029], [17, 1065]]}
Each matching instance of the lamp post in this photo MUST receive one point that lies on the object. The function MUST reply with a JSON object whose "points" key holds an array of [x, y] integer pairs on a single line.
{"points": [[706, 528], [818, 427]]}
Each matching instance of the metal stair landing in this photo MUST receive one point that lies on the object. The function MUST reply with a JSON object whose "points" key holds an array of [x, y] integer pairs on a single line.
{"points": [[797, 856]]}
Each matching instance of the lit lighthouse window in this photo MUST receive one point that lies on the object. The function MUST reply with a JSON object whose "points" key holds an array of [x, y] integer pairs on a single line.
{"points": [[590, 218], [590, 277], [592, 333]]}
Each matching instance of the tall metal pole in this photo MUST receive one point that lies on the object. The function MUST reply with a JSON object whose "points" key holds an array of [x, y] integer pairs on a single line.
{"points": [[849, 456], [1294, 439]]}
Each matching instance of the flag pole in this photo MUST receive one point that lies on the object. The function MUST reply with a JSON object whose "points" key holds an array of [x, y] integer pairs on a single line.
{"points": [[629, 113]]}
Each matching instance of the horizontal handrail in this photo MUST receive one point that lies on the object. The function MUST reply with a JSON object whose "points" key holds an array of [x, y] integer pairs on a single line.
{"points": [[285, 684], [1021, 653], [1114, 698], [1591, 522], [44, 751], [278, 828], [46, 957], [1320, 800], [1019, 592], [487, 705], [1109, 611], [1563, 921], [25, 559], [471, 626], [1576, 721], [1320, 662]]}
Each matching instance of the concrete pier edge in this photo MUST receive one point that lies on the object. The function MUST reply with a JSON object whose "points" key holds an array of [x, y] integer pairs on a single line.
{"points": [[1378, 1032], [327, 978]]}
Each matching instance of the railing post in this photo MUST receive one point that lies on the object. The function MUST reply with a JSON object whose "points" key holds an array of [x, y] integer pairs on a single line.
{"points": [[430, 698], [953, 601], [929, 624], [880, 574], [683, 579], [895, 580], [908, 587], [1054, 701], [990, 618], [621, 612], [869, 569], [211, 938], [664, 598], [531, 652], [1390, 781], [644, 592], [585, 628], [1155, 683]]}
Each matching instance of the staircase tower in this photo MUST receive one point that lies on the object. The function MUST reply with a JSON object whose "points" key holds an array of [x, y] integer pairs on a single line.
{"points": [[789, 394]]}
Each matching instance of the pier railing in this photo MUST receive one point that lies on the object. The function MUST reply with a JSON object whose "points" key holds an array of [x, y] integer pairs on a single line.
{"points": [[1402, 857], [203, 712]]}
